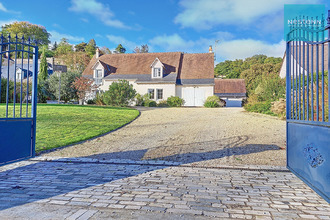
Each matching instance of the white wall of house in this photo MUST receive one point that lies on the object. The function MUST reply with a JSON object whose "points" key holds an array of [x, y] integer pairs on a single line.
{"points": [[293, 67], [106, 83], [194, 95], [168, 89]]}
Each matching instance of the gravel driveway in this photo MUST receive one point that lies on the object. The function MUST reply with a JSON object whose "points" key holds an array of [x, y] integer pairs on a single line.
{"points": [[198, 136]]}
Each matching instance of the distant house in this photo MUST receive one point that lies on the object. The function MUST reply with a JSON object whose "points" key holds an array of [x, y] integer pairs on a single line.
{"points": [[233, 91], [26, 69], [298, 63], [161, 75]]}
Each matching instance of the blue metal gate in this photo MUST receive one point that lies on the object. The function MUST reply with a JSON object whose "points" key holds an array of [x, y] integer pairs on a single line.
{"points": [[18, 98], [307, 80]]}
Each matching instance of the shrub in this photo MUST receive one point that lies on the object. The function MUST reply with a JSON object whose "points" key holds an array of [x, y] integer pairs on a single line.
{"points": [[91, 101], [260, 107], [211, 104], [99, 98], [175, 101], [139, 100], [162, 103], [119, 94], [150, 103]]}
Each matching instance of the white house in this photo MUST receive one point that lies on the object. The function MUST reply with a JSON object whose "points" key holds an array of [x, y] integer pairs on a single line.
{"points": [[189, 76]]}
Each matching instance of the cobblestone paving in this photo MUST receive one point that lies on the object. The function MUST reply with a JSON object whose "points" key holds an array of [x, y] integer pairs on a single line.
{"points": [[90, 189]]}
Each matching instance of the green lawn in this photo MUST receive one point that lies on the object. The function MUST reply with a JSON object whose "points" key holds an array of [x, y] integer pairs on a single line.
{"points": [[60, 125]]}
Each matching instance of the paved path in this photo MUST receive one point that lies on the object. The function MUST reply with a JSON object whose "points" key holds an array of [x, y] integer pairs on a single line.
{"points": [[124, 189]]}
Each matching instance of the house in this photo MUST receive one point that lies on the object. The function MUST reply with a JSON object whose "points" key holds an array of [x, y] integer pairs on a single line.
{"points": [[232, 91], [161, 75], [25, 68], [300, 62]]}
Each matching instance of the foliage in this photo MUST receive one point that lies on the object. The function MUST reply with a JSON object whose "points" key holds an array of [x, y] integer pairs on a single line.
{"points": [[67, 91], [175, 101], [91, 102], [4, 82], [63, 47], [91, 48], [75, 61], [120, 49], [80, 47], [54, 46], [61, 125], [149, 103], [143, 49], [48, 53], [43, 91], [43, 73], [83, 86], [162, 103], [211, 104], [105, 50], [35, 32], [99, 98], [139, 100], [119, 94], [260, 107]]}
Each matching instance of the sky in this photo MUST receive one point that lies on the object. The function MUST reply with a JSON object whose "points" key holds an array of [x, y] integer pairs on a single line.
{"points": [[236, 29]]}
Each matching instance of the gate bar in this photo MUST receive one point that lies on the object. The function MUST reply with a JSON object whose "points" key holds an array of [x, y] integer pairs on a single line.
{"points": [[1, 39], [317, 75], [34, 96], [328, 28]]}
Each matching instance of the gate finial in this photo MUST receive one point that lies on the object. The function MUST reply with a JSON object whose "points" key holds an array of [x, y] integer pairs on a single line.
{"points": [[328, 19]]}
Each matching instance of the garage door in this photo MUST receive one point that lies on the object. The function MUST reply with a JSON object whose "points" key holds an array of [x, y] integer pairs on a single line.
{"points": [[193, 96]]}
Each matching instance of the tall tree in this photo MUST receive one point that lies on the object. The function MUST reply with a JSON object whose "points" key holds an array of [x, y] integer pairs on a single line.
{"points": [[63, 47], [54, 46], [120, 49], [35, 32], [91, 47], [83, 86], [43, 74], [80, 47]]}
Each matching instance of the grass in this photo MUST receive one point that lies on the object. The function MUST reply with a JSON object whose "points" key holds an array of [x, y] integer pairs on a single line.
{"points": [[61, 125]]}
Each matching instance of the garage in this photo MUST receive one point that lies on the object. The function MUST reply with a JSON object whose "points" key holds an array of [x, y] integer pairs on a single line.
{"points": [[193, 96]]}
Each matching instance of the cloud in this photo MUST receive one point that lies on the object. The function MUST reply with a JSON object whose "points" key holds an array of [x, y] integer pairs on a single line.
{"points": [[175, 42], [3, 23], [55, 36], [99, 10], [2, 8], [243, 48], [129, 45], [205, 14]]}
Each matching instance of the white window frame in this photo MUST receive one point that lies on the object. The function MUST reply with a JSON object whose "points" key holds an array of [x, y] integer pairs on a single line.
{"points": [[151, 91], [98, 75], [157, 72], [157, 93]]}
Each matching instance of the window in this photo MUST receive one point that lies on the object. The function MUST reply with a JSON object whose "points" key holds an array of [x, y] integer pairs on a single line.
{"points": [[98, 77], [159, 93], [157, 73], [151, 93]]}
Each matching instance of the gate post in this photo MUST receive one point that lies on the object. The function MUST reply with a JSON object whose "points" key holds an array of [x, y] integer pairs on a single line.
{"points": [[34, 97]]}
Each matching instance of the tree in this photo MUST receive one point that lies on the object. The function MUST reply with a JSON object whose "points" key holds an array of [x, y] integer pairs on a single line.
{"points": [[54, 46], [105, 50], [43, 73], [119, 94], [83, 86], [80, 47], [35, 32], [91, 48], [75, 61], [120, 49], [144, 49], [67, 91], [63, 47]]}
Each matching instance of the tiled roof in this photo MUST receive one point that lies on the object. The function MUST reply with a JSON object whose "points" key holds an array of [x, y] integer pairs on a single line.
{"points": [[183, 66], [229, 86]]}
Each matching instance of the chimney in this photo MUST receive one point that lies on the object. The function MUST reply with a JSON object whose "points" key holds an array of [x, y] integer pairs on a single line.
{"points": [[97, 54], [210, 49]]}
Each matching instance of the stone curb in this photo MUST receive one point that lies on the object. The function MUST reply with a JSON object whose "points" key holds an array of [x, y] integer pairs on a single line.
{"points": [[157, 163]]}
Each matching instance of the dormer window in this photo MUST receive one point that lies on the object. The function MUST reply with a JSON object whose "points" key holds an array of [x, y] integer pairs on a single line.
{"points": [[157, 73], [157, 69], [98, 76]]}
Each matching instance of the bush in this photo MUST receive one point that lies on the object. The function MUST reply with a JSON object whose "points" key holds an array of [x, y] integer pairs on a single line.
{"points": [[211, 104], [260, 107], [119, 94], [175, 101], [99, 98], [139, 100], [91, 101], [150, 103], [162, 103]]}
